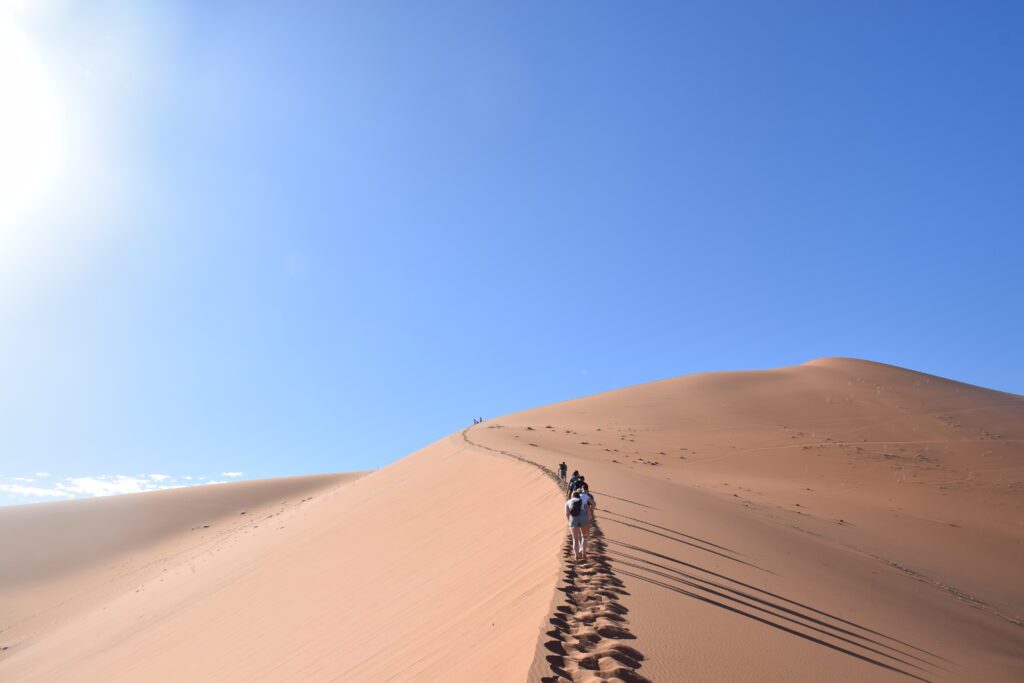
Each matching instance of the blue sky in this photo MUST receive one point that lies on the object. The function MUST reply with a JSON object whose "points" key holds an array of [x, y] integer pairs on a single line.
{"points": [[288, 238]]}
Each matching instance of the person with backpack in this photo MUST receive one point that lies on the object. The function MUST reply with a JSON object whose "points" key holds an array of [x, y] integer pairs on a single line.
{"points": [[572, 481], [589, 502], [579, 526], [578, 486], [561, 472]]}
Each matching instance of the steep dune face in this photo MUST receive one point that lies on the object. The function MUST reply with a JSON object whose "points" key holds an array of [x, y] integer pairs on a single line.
{"points": [[839, 520], [66, 558], [52, 539], [440, 566]]}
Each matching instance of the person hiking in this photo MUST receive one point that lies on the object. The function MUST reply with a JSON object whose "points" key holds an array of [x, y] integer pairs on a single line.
{"points": [[578, 486], [579, 526], [561, 472], [589, 502], [572, 481]]}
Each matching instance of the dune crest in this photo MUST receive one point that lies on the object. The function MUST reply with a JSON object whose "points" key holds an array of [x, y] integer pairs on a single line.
{"points": [[840, 516], [839, 520], [440, 565]]}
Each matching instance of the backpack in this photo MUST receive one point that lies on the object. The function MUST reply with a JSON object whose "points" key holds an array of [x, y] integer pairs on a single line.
{"points": [[576, 506]]}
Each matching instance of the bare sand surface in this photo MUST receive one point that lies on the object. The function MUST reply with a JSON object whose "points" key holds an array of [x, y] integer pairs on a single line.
{"points": [[440, 566], [840, 520], [61, 559]]}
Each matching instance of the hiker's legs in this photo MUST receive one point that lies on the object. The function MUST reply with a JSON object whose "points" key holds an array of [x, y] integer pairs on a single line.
{"points": [[584, 533], [577, 541]]}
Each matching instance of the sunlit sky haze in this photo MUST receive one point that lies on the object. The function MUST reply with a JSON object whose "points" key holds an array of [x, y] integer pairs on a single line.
{"points": [[248, 239]]}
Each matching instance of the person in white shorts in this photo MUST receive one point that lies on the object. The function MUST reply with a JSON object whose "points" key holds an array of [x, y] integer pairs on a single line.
{"points": [[579, 525]]}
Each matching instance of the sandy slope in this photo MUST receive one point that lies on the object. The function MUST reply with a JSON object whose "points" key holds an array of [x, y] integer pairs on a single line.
{"points": [[841, 520], [439, 566], [61, 559]]}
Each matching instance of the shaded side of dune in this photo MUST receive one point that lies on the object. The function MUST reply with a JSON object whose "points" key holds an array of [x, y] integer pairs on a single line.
{"points": [[440, 566], [50, 539]]}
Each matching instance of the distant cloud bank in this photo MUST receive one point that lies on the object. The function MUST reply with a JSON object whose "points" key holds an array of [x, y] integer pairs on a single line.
{"points": [[29, 489]]}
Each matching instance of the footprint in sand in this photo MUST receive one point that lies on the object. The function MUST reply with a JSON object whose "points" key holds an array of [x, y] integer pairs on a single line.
{"points": [[589, 627]]}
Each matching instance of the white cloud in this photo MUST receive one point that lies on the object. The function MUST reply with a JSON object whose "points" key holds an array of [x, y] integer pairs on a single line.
{"points": [[34, 491], [28, 489], [105, 485]]}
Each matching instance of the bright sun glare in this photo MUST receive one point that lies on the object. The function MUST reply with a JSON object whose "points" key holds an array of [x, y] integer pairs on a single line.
{"points": [[30, 127]]}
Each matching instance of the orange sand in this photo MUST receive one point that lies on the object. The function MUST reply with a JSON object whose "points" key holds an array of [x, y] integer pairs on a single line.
{"points": [[421, 570], [840, 520], [837, 520]]}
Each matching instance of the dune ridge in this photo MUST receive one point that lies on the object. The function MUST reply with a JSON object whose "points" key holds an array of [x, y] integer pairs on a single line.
{"points": [[588, 624], [839, 520], [395, 575], [842, 516]]}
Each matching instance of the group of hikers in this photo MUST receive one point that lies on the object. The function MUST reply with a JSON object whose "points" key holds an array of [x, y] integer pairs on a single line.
{"points": [[477, 420], [579, 509]]}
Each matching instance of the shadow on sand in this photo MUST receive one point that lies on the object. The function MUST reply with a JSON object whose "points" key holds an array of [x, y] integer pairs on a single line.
{"points": [[771, 609], [588, 627]]}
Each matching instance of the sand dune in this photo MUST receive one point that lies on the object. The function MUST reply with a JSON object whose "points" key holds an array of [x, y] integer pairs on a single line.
{"points": [[439, 566], [61, 559], [840, 520]]}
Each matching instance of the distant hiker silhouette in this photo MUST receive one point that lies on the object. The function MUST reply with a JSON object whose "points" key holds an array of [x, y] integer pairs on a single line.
{"points": [[561, 472]]}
